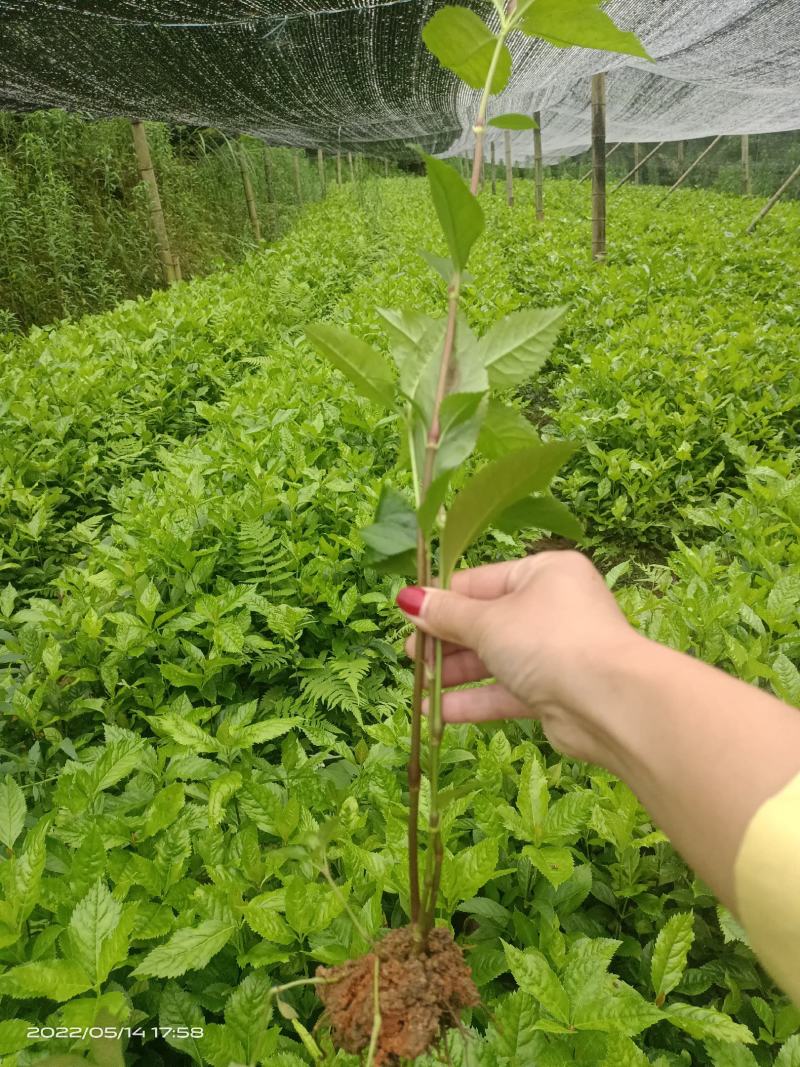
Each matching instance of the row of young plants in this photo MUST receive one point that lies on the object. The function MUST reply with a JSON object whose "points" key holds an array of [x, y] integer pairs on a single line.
{"points": [[216, 672]]}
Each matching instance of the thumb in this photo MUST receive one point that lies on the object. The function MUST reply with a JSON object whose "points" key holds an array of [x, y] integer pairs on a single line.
{"points": [[443, 614]]}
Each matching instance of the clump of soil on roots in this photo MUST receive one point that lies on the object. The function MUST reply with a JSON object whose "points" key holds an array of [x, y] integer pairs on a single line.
{"points": [[421, 994]]}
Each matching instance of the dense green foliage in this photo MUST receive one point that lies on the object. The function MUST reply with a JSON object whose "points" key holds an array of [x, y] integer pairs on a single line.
{"points": [[75, 233], [198, 669]]}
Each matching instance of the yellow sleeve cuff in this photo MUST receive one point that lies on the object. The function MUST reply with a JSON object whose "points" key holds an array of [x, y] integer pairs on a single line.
{"points": [[767, 880]]}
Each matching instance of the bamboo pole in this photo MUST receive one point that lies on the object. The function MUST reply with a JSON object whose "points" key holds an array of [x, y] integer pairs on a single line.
{"points": [[249, 195], [636, 155], [538, 166], [747, 184], [509, 170], [774, 200], [681, 153], [268, 175], [386, 167], [321, 169], [352, 168], [599, 167], [157, 220], [689, 170], [494, 170], [609, 154], [638, 166], [338, 168], [298, 189]]}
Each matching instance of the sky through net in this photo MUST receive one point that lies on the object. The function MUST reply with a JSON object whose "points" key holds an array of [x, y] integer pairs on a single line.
{"points": [[354, 74]]}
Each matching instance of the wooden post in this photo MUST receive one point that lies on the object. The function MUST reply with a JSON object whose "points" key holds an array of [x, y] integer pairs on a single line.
{"points": [[599, 167], [538, 166], [681, 153], [636, 162], [352, 168], [321, 169], [386, 167], [509, 170], [609, 154], [689, 170], [268, 175], [249, 195], [296, 167], [635, 170], [338, 168], [148, 176], [747, 185], [774, 200], [494, 171]]}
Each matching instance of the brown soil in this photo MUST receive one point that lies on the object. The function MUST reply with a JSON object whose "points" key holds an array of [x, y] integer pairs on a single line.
{"points": [[421, 995]]}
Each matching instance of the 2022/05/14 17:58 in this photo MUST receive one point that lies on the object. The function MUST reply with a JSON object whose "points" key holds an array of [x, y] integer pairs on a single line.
{"points": [[81, 1033]]}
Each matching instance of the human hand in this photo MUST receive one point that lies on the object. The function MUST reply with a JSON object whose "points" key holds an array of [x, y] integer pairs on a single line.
{"points": [[544, 627]]}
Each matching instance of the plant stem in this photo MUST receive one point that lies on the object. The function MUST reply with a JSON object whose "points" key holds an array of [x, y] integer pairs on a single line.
{"points": [[433, 868], [376, 1014], [414, 770], [479, 129]]}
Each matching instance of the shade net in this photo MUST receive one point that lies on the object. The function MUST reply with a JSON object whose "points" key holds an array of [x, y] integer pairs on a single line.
{"points": [[354, 74]]}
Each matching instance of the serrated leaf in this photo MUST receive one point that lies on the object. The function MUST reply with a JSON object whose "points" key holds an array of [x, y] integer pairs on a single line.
{"points": [[730, 1054], [783, 602], [515, 348], [470, 869], [189, 949], [311, 907], [183, 732], [178, 1008], [93, 920], [459, 213], [163, 809], [12, 811], [533, 797], [787, 680], [492, 491], [14, 1035], [789, 1055], [263, 919], [707, 1023], [556, 864], [247, 1012], [534, 975], [671, 953], [505, 429], [394, 532], [513, 121], [361, 363], [56, 979], [465, 45], [512, 1030], [732, 929], [621, 1051], [566, 23], [540, 513], [220, 792]]}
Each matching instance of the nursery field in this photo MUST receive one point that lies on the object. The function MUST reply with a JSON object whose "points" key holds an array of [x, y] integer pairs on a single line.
{"points": [[202, 678]]}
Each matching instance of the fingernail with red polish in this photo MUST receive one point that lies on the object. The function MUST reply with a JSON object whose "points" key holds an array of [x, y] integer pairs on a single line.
{"points": [[410, 599]]}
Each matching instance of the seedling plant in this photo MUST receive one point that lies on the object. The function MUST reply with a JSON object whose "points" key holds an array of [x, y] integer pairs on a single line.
{"points": [[440, 385]]}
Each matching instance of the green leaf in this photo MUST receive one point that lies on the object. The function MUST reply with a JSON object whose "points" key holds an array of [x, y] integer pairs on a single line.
{"points": [[556, 864], [312, 907], [164, 809], [443, 265], [505, 429], [56, 979], [93, 920], [265, 920], [460, 417], [534, 975], [533, 796], [621, 1051], [177, 1008], [707, 1022], [460, 215], [247, 1012], [786, 680], [12, 810], [492, 490], [540, 513], [671, 953], [512, 1031], [394, 531], [789, 1055], [366, 368], [732, 929], [220, 792], [14, 1035], [783, 601], [464, 873], [464, 44], [189, 949], [183, 732], [565, 23], [731, 1054], [515, 348], [513, 121]]}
